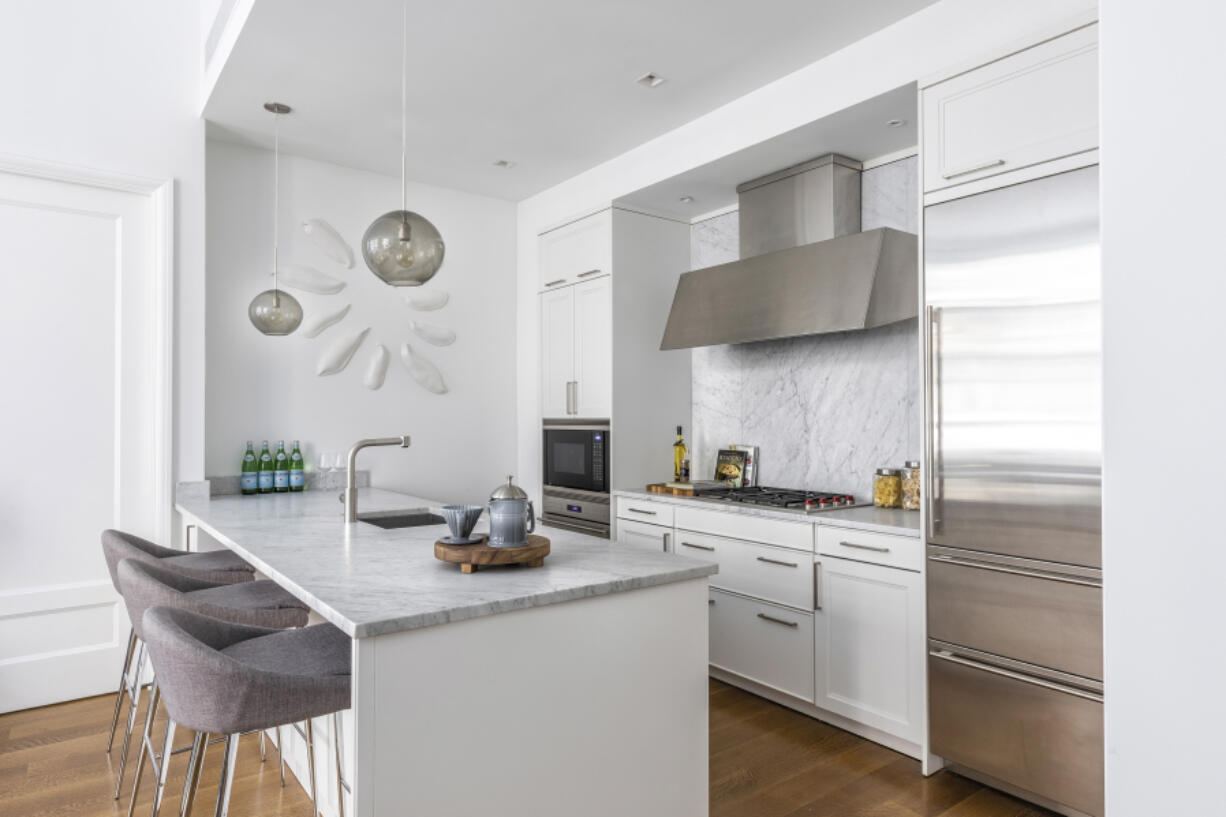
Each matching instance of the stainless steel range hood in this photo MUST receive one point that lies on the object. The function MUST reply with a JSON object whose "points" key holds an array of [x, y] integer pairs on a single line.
{"points": [[805, 268]]}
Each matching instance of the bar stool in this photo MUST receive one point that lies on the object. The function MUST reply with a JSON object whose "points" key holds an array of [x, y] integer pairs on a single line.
{"points": [[222, 566], [144, 585], [227, 679]]}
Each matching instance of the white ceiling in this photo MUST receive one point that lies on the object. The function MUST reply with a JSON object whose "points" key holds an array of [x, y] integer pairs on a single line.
{"points": [[859, 132], [548, 84]]}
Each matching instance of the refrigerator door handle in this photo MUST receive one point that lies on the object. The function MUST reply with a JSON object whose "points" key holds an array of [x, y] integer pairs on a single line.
{"points": [[932, 397], [1016, 571], [946, 655]]}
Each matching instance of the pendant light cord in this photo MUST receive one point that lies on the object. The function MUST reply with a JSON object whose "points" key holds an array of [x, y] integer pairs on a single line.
{"points": [[276, 196], [404, 114]]}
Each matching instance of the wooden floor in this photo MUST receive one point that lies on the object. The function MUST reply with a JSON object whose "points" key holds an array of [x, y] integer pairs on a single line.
{"points": [[766, 761]]}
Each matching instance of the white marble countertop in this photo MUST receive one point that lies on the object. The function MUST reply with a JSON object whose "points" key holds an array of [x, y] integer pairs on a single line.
{"points": [[880, 520], [369, 581]]}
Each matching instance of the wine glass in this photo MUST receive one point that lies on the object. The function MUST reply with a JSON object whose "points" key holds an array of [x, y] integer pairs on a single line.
{"points": [[327, 461]]}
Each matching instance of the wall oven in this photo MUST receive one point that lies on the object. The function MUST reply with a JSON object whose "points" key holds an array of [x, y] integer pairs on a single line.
{"points": [[576, 490]]}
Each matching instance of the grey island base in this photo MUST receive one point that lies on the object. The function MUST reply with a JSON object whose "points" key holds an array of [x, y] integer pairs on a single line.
{"points": [[579, 687]]}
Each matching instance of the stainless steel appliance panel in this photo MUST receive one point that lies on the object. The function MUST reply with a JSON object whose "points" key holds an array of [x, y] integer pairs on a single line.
{"points": [[1014, 320], [1040, 736], [1017, 608], [586, 508]]}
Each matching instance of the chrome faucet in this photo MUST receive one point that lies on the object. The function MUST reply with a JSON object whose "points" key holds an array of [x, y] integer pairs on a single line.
{"points": [[351, 489]]}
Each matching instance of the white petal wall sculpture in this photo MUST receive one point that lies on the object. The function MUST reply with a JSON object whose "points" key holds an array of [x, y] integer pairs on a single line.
{"points": [[376, 369], [436, 335], [337, 356], [422, 370], [300, 276], [316, 326], [329, 241], [427, 301]]}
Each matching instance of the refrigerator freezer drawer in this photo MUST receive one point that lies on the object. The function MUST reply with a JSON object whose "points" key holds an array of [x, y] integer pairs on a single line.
{"points": [[1042, 737], [1026, 610]]}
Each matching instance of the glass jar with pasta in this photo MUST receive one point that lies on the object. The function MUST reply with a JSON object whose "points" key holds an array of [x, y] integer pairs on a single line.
{"points": [[887, 488], [911, 486]]}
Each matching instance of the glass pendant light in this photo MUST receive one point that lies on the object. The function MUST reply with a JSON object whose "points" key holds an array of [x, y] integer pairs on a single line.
{"points": [[401, 247], [273, 311]]}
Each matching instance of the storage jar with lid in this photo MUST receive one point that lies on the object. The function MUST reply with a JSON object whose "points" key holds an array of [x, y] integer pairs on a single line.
{"points": [[911, 486], [887, 488]]}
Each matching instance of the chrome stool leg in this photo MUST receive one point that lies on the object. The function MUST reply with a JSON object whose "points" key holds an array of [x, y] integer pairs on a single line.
{"points": [[191, 780], [310, 742], [281, 755], [227, 776], [123, 685], [263, 749], [133, 692], [154, 694]]}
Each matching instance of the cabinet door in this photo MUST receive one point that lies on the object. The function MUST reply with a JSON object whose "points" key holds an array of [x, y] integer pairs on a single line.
{"points": [[557, 351], [1031, 107], [869, 656], [577, 251], [762, 642], [642, 536], [593, 388]]}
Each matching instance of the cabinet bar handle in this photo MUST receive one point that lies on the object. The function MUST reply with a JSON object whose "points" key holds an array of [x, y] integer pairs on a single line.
{"points": [[873, 548], [1015, 571], [666, 541], [984, 166], [555, 283], [765, 617], [699, 547], [817, 583], [589, 272], [710, 602], [777, 562], [640, 510]]}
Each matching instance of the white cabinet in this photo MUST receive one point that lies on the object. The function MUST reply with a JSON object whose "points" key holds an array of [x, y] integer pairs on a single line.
{"points": [[644, 536], [1030, 107], [645, 510], [577, 251], [769, 573], [576, 351], [869, 645], [762, 642]]}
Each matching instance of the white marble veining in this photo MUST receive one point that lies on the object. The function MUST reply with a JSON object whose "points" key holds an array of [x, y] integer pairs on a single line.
{"points": [[879, 520], [826, 410], [370, 581]]}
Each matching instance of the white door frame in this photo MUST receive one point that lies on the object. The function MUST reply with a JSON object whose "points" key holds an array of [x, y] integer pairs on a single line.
{"points": [[161, 193]]}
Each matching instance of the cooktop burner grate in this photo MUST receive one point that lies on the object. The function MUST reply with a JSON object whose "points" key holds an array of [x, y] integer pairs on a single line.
{"points": [[790, 498]]}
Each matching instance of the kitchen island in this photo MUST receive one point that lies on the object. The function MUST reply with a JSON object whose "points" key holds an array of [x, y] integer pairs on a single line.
{"points": [[574, 688]]}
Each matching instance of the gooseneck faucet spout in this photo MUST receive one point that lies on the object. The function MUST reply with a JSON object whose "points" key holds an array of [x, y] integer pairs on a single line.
{"points": [[351, 490]]}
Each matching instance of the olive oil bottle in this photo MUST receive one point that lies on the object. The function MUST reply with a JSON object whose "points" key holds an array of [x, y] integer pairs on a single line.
{"points": [[679, 452]]}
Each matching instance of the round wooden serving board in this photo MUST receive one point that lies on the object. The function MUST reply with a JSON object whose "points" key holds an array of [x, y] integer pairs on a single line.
{"points": [[470, 557]]}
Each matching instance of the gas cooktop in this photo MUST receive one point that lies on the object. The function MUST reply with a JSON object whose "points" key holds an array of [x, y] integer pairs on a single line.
{"points": [[787, 499]]}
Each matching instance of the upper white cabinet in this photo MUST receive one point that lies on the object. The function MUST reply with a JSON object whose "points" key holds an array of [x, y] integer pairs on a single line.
{"points": [[1033, 106], [577, 251], [577, 351]]}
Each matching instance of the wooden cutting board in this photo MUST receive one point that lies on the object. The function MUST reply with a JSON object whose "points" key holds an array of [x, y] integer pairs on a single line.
{"points": [[470, 557]]}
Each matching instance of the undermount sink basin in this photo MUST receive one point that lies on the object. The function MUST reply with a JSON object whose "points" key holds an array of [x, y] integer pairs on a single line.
{"points": [[414, 518]]}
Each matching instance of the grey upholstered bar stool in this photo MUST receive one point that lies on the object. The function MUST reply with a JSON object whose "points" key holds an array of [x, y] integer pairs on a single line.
{"points": [[223, 567], [145, 584], [227, 679]]}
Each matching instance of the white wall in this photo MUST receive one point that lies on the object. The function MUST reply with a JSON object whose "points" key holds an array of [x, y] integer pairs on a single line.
{"points": [[266, 388], [928, 41], [1164, 287], [114, 86]]}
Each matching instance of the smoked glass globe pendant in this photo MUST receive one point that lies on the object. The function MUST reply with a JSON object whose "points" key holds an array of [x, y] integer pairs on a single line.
{"points": [[274, 311], [401, 247]]}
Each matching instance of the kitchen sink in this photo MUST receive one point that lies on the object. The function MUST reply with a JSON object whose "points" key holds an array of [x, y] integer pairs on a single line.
{"points": [[390, 520]]}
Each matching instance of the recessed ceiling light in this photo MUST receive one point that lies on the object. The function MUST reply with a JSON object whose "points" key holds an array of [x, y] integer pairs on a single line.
{"points": [[686, 199], [650, 80], [504, 164], [895, 123]]}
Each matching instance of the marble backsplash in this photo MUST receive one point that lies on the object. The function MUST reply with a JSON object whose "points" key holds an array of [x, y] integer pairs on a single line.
{"points": [[824, 410]]}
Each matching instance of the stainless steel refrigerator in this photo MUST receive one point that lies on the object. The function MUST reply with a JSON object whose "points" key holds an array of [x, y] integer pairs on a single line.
{"points": [[1012, 290]]}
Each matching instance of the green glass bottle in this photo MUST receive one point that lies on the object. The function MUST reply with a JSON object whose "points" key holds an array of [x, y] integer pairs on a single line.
{"points": [[280, 471], [251, 472], [266, 470], [297, 474]]}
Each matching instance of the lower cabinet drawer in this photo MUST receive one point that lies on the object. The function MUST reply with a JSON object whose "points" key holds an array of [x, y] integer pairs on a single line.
{"points": [[774, 574], [643, 536], [868, 546], [1029, 733], [763, 642]]}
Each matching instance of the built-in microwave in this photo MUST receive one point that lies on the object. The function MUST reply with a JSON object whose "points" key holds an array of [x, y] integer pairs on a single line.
{"points": [[576, 456], [576, 490]]}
